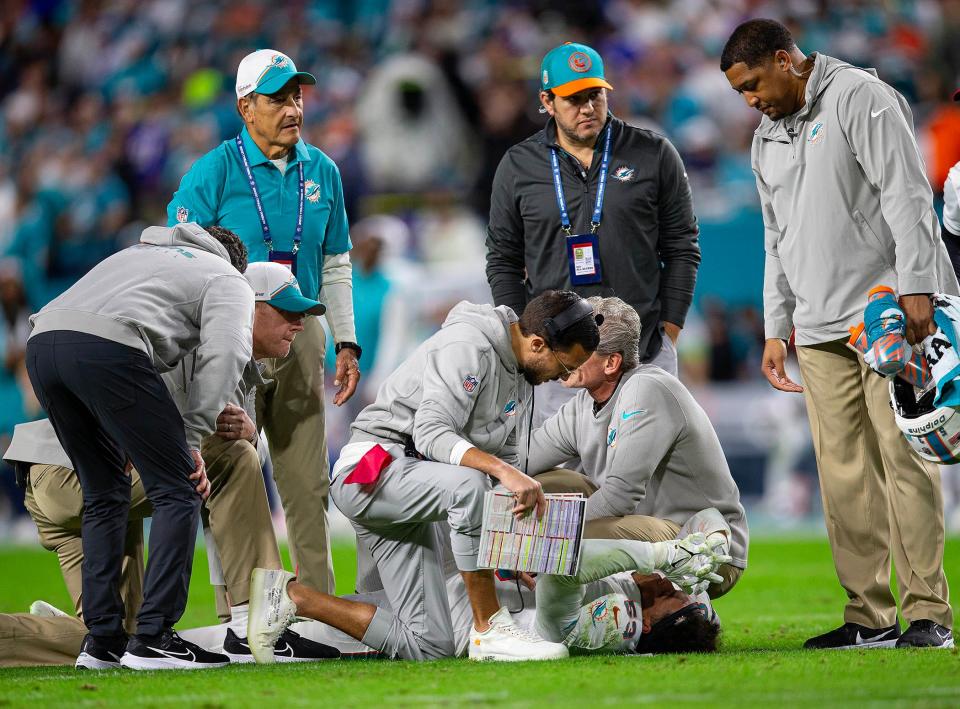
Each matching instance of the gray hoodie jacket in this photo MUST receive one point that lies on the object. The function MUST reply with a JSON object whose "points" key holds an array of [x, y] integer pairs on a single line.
{"points": [[36, 443], [652, 451], [846, 205], [173, 292], [460, 389]]}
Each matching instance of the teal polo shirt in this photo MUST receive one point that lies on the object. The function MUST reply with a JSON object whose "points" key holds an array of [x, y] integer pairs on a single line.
{"points": [[215, 192]]}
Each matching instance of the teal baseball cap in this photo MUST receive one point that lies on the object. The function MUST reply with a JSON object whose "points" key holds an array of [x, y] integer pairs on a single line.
{"points": [[570, 68], [266, 71], [273, 283]]}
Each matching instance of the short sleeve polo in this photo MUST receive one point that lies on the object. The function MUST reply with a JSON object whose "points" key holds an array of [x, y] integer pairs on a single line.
{"points": [[215, 192]]}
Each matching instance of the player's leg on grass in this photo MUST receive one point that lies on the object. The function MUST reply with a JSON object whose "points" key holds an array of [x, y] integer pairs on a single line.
{"points": [[394, 521], [411, 495], [418, 629]]}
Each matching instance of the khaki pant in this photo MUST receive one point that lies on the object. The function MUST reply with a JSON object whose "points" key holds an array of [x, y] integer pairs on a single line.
{"points": [[639, 527], [880, 500], [563, 480], [27, 640], [55, 502], [238, 514], [290, 409]]}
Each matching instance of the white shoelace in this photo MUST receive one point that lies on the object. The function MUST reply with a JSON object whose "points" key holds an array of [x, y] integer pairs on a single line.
{"points": [[518, 632]]}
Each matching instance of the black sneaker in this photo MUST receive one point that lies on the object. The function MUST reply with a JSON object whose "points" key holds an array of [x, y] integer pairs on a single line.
{"points": [[926, 633], [291, 647], [851, 636], [101, 653], [169, 652]]}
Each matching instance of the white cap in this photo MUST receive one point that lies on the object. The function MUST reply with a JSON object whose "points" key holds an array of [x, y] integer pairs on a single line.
{"points": [[273, 283], [266, 71]]}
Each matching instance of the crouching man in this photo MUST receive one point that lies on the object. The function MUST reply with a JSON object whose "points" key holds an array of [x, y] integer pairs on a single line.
{"points": [[237, 511], [650, 455], [95, 359], [444, 425]]}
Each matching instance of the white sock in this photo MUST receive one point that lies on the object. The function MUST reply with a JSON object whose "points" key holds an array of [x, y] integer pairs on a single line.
{"points": [[238, 620]]}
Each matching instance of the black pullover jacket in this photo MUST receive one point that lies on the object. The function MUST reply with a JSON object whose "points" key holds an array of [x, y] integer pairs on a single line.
{"points": [[648, 236]]}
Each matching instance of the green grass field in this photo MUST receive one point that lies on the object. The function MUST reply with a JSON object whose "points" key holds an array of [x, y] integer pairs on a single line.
{"points": [[788, 594]]}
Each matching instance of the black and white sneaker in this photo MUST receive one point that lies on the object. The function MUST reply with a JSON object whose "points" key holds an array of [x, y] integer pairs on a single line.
{"points": [[926, 633], [852, 636], [101, 653], [169, 652], [291, 647]]}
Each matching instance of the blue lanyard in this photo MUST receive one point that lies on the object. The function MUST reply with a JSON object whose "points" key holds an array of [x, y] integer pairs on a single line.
{"points": [[267, 239], [601, 187]]}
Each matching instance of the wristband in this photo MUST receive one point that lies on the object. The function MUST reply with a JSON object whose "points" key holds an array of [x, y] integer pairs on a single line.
{"points": [[350, 346]]}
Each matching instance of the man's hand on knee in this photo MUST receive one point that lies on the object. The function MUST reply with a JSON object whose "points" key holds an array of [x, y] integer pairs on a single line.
{"points": [[234, 424], [199, 474]]}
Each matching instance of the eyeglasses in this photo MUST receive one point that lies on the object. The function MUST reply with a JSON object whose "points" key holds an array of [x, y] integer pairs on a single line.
{"points": [[567, 371]]}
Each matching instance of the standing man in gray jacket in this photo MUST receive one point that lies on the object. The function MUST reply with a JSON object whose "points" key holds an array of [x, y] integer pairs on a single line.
{"points": [[846, 207], [651, 458], [94, 359]]}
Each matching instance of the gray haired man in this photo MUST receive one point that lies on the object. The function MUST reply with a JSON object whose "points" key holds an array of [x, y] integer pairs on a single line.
{"points": [[650, 457]]}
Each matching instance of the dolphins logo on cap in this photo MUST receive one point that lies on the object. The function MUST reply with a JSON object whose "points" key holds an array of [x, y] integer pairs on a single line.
{"points": [[580, 62]]}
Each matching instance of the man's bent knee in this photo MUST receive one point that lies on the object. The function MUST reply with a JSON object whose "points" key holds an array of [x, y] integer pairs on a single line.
{"points": [[465, 515], [731, 575]]}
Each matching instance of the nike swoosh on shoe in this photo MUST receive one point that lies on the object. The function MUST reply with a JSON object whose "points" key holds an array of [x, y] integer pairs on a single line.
{"points": [[860, 640], [285, 651], [185, 655]]}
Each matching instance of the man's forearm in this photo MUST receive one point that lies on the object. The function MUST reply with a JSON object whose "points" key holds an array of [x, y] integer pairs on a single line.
{"points": [[485, 463], [677, 283], [336, 293], [508, 291]]}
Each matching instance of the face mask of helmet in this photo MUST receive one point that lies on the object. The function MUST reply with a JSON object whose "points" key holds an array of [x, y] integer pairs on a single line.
{"points": [[933, 432]]}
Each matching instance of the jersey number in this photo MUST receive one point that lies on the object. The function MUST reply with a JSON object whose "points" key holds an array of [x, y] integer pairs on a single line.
{"points": [[631, 628]]}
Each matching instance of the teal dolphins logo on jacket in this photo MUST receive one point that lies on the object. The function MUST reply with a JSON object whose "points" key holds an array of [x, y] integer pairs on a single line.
{"points": [[624, 173], [816, 134], [311, 191], [612, 437]]}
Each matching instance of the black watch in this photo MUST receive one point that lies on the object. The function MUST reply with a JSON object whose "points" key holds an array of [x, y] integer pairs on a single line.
{"points": [[350, 346]]}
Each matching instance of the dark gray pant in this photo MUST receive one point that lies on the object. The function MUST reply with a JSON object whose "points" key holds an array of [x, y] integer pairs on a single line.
{"points": [[107, 403]]}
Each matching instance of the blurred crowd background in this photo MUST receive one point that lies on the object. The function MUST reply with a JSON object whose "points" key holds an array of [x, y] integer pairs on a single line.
{"points": [[104, 105]]}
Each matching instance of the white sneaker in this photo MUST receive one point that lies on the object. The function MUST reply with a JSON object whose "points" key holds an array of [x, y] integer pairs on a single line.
{"points": [[271, 611], [43, 609], [506, 641]]}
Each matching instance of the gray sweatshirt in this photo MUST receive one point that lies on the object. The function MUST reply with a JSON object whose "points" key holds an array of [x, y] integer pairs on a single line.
{"points": [[652, 451], [460, 389], [36, 443], [173, 292], [846, 205]]}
